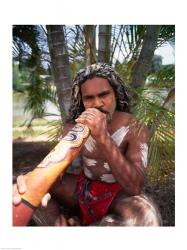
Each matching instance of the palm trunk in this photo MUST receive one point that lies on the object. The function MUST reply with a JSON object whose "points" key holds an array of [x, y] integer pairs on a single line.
{"points": [[61, 66], [169, 99], [144, 62], [90, 45], [104, 43]]}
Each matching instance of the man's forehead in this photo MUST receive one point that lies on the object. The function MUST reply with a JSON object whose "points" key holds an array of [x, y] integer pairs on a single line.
{"points": [[95, 84], [96, 80]]}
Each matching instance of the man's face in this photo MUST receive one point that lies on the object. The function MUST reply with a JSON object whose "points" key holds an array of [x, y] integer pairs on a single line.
{"points": [[97, 93]]}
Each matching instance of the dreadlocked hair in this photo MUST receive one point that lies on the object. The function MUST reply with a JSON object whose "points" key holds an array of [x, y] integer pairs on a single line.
{"points": [[102, 70]]}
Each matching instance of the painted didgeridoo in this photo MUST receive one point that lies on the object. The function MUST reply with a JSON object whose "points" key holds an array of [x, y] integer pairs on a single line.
{"points": [[40, 180]]}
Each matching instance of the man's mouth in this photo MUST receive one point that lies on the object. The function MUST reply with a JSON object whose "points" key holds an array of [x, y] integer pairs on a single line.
{"points": [[109, 116], [103, 110]]}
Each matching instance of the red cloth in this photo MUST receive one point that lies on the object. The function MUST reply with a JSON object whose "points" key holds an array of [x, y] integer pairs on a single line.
{"points": [[95, 197]]}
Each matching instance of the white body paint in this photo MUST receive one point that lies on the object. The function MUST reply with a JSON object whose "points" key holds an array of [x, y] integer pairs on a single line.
{"points": [[89, 162], [88, 173], [90, 144], [144, 153], [109, 178], [130, 222], [119, 135], [109, 219], [106, 166]]}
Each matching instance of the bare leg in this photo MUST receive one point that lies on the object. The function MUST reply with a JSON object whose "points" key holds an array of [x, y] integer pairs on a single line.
{"points": [[132, 211], [47, 216], [62, 206]]}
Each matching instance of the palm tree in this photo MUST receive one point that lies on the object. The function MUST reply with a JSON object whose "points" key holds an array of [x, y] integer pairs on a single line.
{"points": [[104, 43], [145, 58], [61, 66], [89, 32], [27, 51]]}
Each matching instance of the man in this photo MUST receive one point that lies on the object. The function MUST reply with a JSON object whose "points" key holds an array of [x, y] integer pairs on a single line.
{"points": [[114, 159]]}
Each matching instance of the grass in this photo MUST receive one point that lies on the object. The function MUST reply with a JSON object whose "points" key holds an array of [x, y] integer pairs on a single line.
{"points": [[40, 127], [26, 133], [36, 122]]}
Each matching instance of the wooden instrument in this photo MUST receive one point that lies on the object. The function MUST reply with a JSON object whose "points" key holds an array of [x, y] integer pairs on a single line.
{"points": [[45, 174]]}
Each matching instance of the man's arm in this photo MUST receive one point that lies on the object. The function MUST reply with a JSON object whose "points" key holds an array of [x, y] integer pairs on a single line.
{"points": [[128, 167]]}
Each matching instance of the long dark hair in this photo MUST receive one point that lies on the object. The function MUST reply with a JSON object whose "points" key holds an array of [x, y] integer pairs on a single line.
{"points": [[100, 70]]}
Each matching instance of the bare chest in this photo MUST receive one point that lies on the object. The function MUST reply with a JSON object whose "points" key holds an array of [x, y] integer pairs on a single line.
{"points": [[94, 164]]}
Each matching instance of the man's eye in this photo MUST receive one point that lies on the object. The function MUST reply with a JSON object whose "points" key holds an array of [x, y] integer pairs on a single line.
{"points": [[87, 98], [104, 94]]}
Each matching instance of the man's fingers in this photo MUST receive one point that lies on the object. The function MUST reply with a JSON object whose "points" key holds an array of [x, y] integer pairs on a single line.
{"points": [[74, 221], [16, 199], [61, 221], [18, 189], [45, 200], [21, 184]]}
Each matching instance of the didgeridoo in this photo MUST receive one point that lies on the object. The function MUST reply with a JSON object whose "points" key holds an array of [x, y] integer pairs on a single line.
{"points": [[40, 180]]}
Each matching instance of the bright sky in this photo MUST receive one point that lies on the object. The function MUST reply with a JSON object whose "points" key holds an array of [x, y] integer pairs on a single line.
{"points": [[167, 52]]}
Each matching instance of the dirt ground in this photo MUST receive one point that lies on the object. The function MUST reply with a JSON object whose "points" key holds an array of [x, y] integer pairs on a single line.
{"points": [[26, 155]]}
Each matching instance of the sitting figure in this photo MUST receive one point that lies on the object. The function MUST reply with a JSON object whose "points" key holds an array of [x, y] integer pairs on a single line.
{"points": [[107, 191]]}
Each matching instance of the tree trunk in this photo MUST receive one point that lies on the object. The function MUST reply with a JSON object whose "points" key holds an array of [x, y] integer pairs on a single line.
{"points": [[104, 43], [60, 66], [144, 62], [90, 43], [169, 99]]}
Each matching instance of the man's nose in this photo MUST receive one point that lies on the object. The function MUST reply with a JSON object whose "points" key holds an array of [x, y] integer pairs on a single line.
{"points": [[97, 103]]}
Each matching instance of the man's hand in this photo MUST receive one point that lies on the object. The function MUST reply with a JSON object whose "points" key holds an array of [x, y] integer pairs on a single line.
{"points": [[20, 188], [96, 121]]}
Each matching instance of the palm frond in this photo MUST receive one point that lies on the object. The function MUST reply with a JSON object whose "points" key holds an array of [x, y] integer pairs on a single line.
{"points": [[161, 123]]}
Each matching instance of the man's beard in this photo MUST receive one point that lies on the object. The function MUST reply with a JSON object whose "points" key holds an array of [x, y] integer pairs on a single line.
{"points": [[109, 115]]}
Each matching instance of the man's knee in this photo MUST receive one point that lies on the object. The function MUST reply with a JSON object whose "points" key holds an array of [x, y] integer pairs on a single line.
{"points": [[151, 214], [138, 211]]}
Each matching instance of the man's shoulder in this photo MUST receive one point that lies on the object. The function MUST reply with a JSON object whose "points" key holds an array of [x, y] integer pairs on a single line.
{"points": [[129, 118], [130, 121], [125, 118]]}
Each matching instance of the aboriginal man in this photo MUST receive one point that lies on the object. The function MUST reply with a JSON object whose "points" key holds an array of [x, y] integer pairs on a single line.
{"points": [[107, 191]]}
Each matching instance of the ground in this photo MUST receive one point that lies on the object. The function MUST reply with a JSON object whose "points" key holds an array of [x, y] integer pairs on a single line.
{"points": [[26, 155]]}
